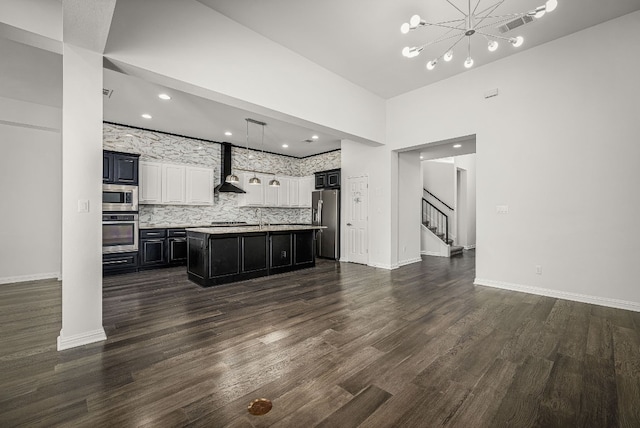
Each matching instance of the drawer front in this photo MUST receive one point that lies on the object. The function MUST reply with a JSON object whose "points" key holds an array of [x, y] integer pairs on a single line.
{"points": [[119, 262], [178, 233], [153, 233]]}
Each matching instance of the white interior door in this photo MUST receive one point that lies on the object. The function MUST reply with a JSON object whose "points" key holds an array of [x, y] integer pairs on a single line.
{"points": [[357, 220]]}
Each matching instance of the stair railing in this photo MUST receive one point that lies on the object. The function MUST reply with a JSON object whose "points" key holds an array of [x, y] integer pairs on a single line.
{"points": [[438, 199], [434, 218]]}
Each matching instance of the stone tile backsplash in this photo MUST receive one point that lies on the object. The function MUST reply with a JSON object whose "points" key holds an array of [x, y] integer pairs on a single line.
{"points": [[157, 146]]}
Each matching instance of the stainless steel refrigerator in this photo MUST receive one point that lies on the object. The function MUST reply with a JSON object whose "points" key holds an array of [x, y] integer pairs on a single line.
{"points": [[325, 211]]}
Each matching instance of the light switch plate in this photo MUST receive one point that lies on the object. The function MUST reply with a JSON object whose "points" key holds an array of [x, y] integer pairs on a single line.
{"points": [[502, 209], [83, 205]]}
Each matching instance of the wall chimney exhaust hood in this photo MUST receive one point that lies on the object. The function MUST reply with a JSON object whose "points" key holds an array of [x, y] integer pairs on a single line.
{"points": [[225, 170]]}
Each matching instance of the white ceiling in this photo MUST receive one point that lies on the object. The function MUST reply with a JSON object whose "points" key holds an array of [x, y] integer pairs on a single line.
{"points": [[361, 41]]}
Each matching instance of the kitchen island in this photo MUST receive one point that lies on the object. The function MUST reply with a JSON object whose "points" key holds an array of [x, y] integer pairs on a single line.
{"points": [[220, 255]]}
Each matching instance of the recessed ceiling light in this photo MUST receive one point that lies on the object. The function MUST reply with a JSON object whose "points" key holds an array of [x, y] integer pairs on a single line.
{"points": [[315, 137], [164, 97], [421, 157], [146, 116], [128, 135], [457, 146], [228, 134], [285, 146]]}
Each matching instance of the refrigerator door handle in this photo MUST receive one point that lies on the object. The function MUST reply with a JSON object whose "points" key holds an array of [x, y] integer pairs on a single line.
{"points": [[320, 212]]}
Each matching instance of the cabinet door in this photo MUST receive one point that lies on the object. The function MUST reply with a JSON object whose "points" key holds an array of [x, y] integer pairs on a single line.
{"points": [[173, 184], [152, 252], [254, 196], [270, 193], [321, 180], [294, 192], [177, 250], [333, 179], [107, 167], [284, 196], [150, 183], [125, 169], [199, 186], [280, 250], [306, 189]]}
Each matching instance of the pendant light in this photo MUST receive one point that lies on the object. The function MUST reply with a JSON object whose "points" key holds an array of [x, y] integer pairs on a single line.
{"points": [[274, 181], [254, 181]]}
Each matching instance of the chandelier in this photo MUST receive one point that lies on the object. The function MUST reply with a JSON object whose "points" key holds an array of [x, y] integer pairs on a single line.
{"points": [[471, 23]]}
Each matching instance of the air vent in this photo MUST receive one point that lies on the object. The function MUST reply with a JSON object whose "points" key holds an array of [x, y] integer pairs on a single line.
{"points": [[307, 141], [519, 22], [107, 92]]}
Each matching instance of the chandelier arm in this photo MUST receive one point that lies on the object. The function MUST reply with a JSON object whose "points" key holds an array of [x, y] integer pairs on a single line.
{"points": [[440, 39], [490, 12], [476, 8], [446, 22], [507, 18], [457, 8], [493, 36], [490, 9], [444, 26], [453, 45]]}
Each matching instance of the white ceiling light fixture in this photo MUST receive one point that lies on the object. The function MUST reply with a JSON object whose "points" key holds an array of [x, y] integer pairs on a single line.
{"points": [[457, 146], [146, 116], [284, 146], [228, 133], [473, 21], [164, 97], [314, 137]]}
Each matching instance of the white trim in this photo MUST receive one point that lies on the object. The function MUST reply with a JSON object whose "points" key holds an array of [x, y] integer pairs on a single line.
{"points": [[342, 259], [81, 339], [470, 247], [24, 278], [583, 298], [410, 261], [432, 253], [384, 266]]}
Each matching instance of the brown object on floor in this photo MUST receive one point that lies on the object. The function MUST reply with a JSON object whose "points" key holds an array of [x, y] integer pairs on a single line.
{"points": [[260, 406]]}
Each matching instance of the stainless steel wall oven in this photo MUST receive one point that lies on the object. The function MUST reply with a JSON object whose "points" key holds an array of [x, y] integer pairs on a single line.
{"points": [[119, 233]]}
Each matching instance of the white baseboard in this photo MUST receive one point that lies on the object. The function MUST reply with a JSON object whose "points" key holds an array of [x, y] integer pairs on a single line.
{"points": [[583, 298], [432, 253], [410, 261], [80, 339], [470, 247], [24, 278], [384, 266]]}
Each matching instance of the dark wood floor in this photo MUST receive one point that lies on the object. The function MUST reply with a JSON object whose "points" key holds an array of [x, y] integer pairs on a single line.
{"points": [[339, 345]]}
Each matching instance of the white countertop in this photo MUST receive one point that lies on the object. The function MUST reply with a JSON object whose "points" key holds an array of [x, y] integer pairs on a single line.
{"points": [[247, 229]]}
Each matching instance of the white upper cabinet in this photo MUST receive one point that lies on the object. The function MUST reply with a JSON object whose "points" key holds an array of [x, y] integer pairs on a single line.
{"points": [[150, 183], [307, 186], [292, 192], [171, 184], [199, 186]]}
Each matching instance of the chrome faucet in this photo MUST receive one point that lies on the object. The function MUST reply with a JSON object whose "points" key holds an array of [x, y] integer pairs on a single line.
{"points": [[259, 215]]}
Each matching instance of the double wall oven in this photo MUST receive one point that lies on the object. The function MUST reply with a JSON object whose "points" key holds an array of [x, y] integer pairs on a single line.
{"points": [[119, 218]]}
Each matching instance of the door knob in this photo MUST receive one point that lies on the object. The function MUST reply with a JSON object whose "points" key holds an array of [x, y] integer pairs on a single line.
{"points": [[348, 224]]}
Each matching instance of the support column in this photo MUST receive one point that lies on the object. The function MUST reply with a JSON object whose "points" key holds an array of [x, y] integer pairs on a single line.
{"points": [[81, 198]]}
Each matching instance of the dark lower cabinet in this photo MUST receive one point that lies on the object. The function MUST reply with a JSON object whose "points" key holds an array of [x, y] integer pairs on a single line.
{"points": [[152, 252], [119, 263], [223, 258], [162, 248], [177, 251]]}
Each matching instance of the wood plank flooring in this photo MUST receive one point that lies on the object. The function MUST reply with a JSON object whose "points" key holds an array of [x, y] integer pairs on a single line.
{"points": [[339, 345]]}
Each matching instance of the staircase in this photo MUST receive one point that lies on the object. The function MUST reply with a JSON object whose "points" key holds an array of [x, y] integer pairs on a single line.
{"points": [[438, 223]]}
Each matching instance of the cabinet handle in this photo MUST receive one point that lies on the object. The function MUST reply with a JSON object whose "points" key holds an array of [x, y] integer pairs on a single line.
{"points": [[348, 224], [115, 262]]}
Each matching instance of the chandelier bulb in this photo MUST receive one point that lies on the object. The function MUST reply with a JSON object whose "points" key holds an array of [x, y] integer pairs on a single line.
{"points": [[493, 46], [468, 63], [448, 56], [517, 41], [551, 5], [406, 52], [432, 64], [405, 28], [415, 21], [540, 11]]}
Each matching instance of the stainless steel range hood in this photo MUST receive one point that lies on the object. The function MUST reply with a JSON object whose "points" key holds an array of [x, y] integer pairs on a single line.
{"points": [[225, 169]]}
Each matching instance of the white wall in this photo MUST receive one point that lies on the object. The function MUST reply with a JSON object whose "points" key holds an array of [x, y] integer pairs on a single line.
{"points": [[559, 142], [438, 178], [240, 65], [467, 163], [43, 17], [409, 198], [30, 185]]}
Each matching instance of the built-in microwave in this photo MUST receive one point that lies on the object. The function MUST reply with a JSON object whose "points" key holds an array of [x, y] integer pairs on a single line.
{"points": [[119, 197], [119, 233]]}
